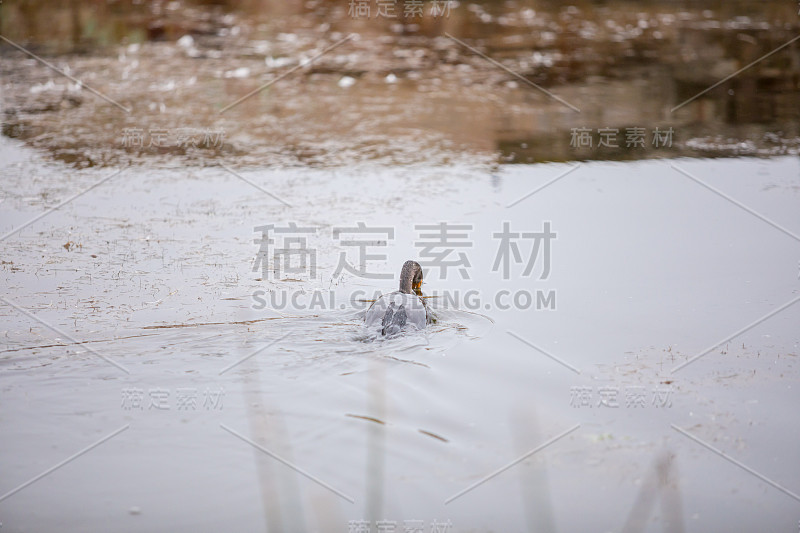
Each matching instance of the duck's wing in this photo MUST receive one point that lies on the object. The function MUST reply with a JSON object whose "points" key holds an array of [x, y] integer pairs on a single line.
{"points": [[387, 318], [394, 320], [400, 317], [377, 311]]}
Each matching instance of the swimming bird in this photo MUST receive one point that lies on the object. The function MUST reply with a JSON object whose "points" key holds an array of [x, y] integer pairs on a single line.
{"points": [[402, 309]]}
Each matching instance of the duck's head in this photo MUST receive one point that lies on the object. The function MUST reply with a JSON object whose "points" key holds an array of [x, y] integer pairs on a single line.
{"points": [[411, 278]]}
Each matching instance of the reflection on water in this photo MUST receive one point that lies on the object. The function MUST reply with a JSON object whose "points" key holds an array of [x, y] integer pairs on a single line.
{"points": [[403, 91]]}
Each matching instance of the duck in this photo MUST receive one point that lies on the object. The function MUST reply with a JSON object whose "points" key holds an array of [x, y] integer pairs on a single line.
{"points": [[403, 309]]}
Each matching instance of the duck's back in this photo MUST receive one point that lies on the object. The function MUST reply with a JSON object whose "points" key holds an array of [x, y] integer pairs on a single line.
{"points": [[397, 311]]}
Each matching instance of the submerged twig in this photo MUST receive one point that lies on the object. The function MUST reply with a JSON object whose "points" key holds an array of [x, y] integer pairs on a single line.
{"points": [[235, 322], [74, 343]]}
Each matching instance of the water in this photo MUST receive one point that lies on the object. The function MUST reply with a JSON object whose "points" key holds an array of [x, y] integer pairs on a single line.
{"points": [[154, 377], [649, 268]]}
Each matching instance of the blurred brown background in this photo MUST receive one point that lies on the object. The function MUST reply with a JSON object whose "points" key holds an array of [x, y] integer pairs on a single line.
{"points": [[404, 90]]}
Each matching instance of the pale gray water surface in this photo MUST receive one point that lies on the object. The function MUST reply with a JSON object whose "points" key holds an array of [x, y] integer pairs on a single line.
{"points": [[649, 269]]}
